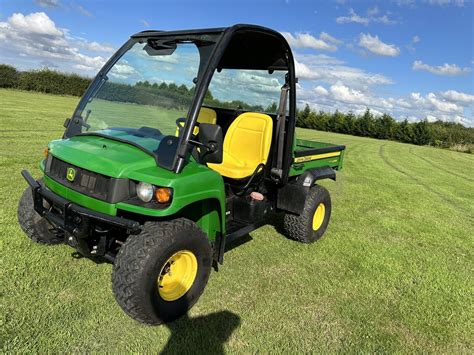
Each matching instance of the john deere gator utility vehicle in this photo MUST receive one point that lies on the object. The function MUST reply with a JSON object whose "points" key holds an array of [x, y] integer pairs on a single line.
{"points": [[177, 148]]}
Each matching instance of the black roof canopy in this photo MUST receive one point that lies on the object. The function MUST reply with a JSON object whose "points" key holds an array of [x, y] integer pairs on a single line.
{"points": [[242, 46]]}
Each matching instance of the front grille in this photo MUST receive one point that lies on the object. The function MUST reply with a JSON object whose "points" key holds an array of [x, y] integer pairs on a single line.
{"points": [[85, 181]]}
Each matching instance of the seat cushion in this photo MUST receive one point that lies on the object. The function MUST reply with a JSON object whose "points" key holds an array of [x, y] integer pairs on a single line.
{"points": [[246, 145], [233, 168]]}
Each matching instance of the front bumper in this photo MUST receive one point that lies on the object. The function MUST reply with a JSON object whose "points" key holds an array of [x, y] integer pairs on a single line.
{"points": [[70, 217]]}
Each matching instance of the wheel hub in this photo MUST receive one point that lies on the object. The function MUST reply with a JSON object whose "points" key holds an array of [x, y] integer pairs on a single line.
{"points": [[318, 217], [177, 275]]}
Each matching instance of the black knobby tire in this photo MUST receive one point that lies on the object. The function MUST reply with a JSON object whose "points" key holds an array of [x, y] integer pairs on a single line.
{"points": [[300, 227], [36, 227], [140, 260]]}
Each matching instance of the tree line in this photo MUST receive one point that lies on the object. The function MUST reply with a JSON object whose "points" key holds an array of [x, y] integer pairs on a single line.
{"points": [[438, 134]]}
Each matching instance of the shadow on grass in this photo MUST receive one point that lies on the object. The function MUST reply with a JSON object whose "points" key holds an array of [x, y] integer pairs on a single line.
{"points": [[238, 242], [205, 334], [276, 221]]}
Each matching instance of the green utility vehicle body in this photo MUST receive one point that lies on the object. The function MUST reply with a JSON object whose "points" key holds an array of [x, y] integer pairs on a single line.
{"points": [[158, 177], [196, 186], [199, 191]]}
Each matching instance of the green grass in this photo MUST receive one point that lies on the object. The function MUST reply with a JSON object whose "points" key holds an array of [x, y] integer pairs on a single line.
{"points": [[393, 272]]}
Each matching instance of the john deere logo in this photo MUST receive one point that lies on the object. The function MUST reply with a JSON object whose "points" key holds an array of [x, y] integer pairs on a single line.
{"points": [[71, 174]]}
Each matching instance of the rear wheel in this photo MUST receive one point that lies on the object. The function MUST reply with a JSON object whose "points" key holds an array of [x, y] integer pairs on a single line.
{"points": [[311, 224], [159, 274], [34, 226]]}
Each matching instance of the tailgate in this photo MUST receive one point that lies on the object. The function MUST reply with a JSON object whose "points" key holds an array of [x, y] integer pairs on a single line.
{"points": [[311, 154]]}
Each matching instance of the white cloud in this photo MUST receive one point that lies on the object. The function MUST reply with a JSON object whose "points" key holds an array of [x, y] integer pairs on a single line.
{"points": [[345, 94], [255, 87], [83, 11], [328, 38], [411, 46], [459, 3], [37, 36], [331, 70], [320, 90], [409, 3], [48, 3], [37, 23], [436, 106], [145, 23], [306, 40], [415, 106], [442, 105], [304, 72], [374, 45], [96, 47], [443, 3], [353, 17], [318, 59], [456, 96], [122, 70], [371, 17], [445, 69], [373, 11]]}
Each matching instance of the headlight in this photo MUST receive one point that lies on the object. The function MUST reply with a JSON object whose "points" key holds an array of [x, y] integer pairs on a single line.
{"points": [[145, 191]]}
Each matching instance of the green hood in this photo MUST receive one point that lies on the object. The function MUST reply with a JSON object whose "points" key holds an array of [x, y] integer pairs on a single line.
{"points": [[102, 155]]}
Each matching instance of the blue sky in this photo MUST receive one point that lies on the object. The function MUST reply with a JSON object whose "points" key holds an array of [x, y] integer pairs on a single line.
{"points": [[412, 59]]}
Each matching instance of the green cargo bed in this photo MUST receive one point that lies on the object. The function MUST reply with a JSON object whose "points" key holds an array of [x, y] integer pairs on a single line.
{"points": [[311, 154]]}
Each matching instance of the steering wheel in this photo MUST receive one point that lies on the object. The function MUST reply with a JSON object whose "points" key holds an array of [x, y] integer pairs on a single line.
{"points": [[180, 122]]}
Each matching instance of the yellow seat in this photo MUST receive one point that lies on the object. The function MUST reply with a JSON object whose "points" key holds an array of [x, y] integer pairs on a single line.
{"points": [[246, 145], [206, 115]]}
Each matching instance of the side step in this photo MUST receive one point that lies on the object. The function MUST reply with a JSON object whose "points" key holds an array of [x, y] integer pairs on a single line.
{"points": [[242, 230]]}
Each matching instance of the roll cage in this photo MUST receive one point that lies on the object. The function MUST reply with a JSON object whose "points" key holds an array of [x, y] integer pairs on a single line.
{"points": [[238, 47]]}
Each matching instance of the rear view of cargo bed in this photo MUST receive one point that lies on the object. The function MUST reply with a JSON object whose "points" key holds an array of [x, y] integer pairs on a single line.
{"points": [[310, 154]]}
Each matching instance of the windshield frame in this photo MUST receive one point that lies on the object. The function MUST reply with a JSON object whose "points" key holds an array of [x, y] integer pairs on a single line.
{"points": [[207, 67], [74, 126]]}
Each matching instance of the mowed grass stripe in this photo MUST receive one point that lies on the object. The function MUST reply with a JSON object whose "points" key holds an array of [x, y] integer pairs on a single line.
{"points": [[443, 168], [392, 274], [459, 195]]}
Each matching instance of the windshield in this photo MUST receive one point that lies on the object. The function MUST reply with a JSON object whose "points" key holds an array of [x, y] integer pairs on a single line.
{"points": [[142, 95]]}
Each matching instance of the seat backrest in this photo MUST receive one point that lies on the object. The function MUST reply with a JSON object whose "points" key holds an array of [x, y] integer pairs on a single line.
{"points": [[206, 115], [249, 137]]}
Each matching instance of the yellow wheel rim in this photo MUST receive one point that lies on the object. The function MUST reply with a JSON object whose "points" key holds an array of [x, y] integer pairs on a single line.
{"points": [[318, 217], [177, 275]]}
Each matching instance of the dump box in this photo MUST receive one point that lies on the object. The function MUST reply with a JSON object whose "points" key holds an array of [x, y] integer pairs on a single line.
{"points": [[311, 154]]}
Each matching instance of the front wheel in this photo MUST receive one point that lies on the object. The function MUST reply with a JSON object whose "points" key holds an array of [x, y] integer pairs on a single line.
{"points": [[35, 227], [159, 274], [311, 224]]}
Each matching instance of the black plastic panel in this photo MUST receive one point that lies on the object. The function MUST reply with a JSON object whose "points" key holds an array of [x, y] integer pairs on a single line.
{"points": [[89, 183]]}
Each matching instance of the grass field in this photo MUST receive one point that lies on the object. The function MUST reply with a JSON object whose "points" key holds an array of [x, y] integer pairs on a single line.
{"points": [[393, 272]]}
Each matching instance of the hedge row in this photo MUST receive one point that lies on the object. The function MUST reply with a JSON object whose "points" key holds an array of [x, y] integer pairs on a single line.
{"points": [[165, 95], [45, 80]]}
